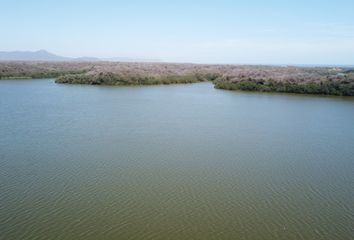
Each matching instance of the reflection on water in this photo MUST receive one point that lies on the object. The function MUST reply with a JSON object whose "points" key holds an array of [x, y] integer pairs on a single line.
{"points": [[173, 162]]}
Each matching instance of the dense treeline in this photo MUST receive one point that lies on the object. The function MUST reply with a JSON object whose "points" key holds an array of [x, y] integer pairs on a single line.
{"points": [[28, 70], [37, 74], [308, 81], [120, 79], [318, 80], [328, 87]]}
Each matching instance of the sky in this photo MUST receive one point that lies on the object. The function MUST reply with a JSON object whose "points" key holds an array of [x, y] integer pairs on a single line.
{"points": [[205, 31]]}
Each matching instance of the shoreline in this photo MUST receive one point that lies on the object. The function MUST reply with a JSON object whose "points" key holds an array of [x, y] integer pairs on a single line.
{"points": [[253, 78]]}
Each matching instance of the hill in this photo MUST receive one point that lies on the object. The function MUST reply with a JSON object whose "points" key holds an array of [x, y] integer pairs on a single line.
{"points": [[45, 56]]}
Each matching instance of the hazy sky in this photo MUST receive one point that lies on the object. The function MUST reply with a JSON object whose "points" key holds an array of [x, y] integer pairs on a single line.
{"points": [[219, 31]]}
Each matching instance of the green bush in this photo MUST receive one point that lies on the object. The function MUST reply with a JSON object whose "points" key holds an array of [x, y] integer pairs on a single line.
{"points": [[325, 87]]}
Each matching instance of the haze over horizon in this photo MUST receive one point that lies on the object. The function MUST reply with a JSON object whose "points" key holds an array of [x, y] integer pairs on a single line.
{"points": [[240, 32]]}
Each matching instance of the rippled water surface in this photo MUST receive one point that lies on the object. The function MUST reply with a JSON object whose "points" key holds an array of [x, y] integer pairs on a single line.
{"points": [[173, 162]]}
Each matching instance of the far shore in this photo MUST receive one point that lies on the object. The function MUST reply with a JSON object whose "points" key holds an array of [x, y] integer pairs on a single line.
{"points": [[289, 79]]}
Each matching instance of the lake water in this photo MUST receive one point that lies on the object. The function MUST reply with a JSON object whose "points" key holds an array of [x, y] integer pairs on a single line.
{"points": [[173, 162]]}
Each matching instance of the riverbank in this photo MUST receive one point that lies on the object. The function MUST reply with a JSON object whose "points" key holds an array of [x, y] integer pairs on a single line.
{"points": [[304, 80], [325, 87], [118, 79]]}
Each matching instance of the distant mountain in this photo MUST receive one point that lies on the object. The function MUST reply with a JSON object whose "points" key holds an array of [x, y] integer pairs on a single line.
{"points": [[43, 55]]}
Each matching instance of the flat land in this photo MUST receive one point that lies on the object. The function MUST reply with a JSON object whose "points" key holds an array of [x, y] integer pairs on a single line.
{"points": [[308, 80]]}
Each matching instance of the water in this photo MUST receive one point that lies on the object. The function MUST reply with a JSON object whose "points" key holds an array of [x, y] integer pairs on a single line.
{"points": [[173, 162]]}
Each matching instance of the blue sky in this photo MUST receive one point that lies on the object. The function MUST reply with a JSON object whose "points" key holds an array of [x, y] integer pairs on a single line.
{"points": [[265, 32]]}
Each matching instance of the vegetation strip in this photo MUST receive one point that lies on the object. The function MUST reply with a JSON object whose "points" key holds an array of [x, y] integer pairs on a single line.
{"points": [[319, 80]]}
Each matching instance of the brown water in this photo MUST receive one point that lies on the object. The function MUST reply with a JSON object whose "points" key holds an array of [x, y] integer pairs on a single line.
{"points": [[173, 162]]}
